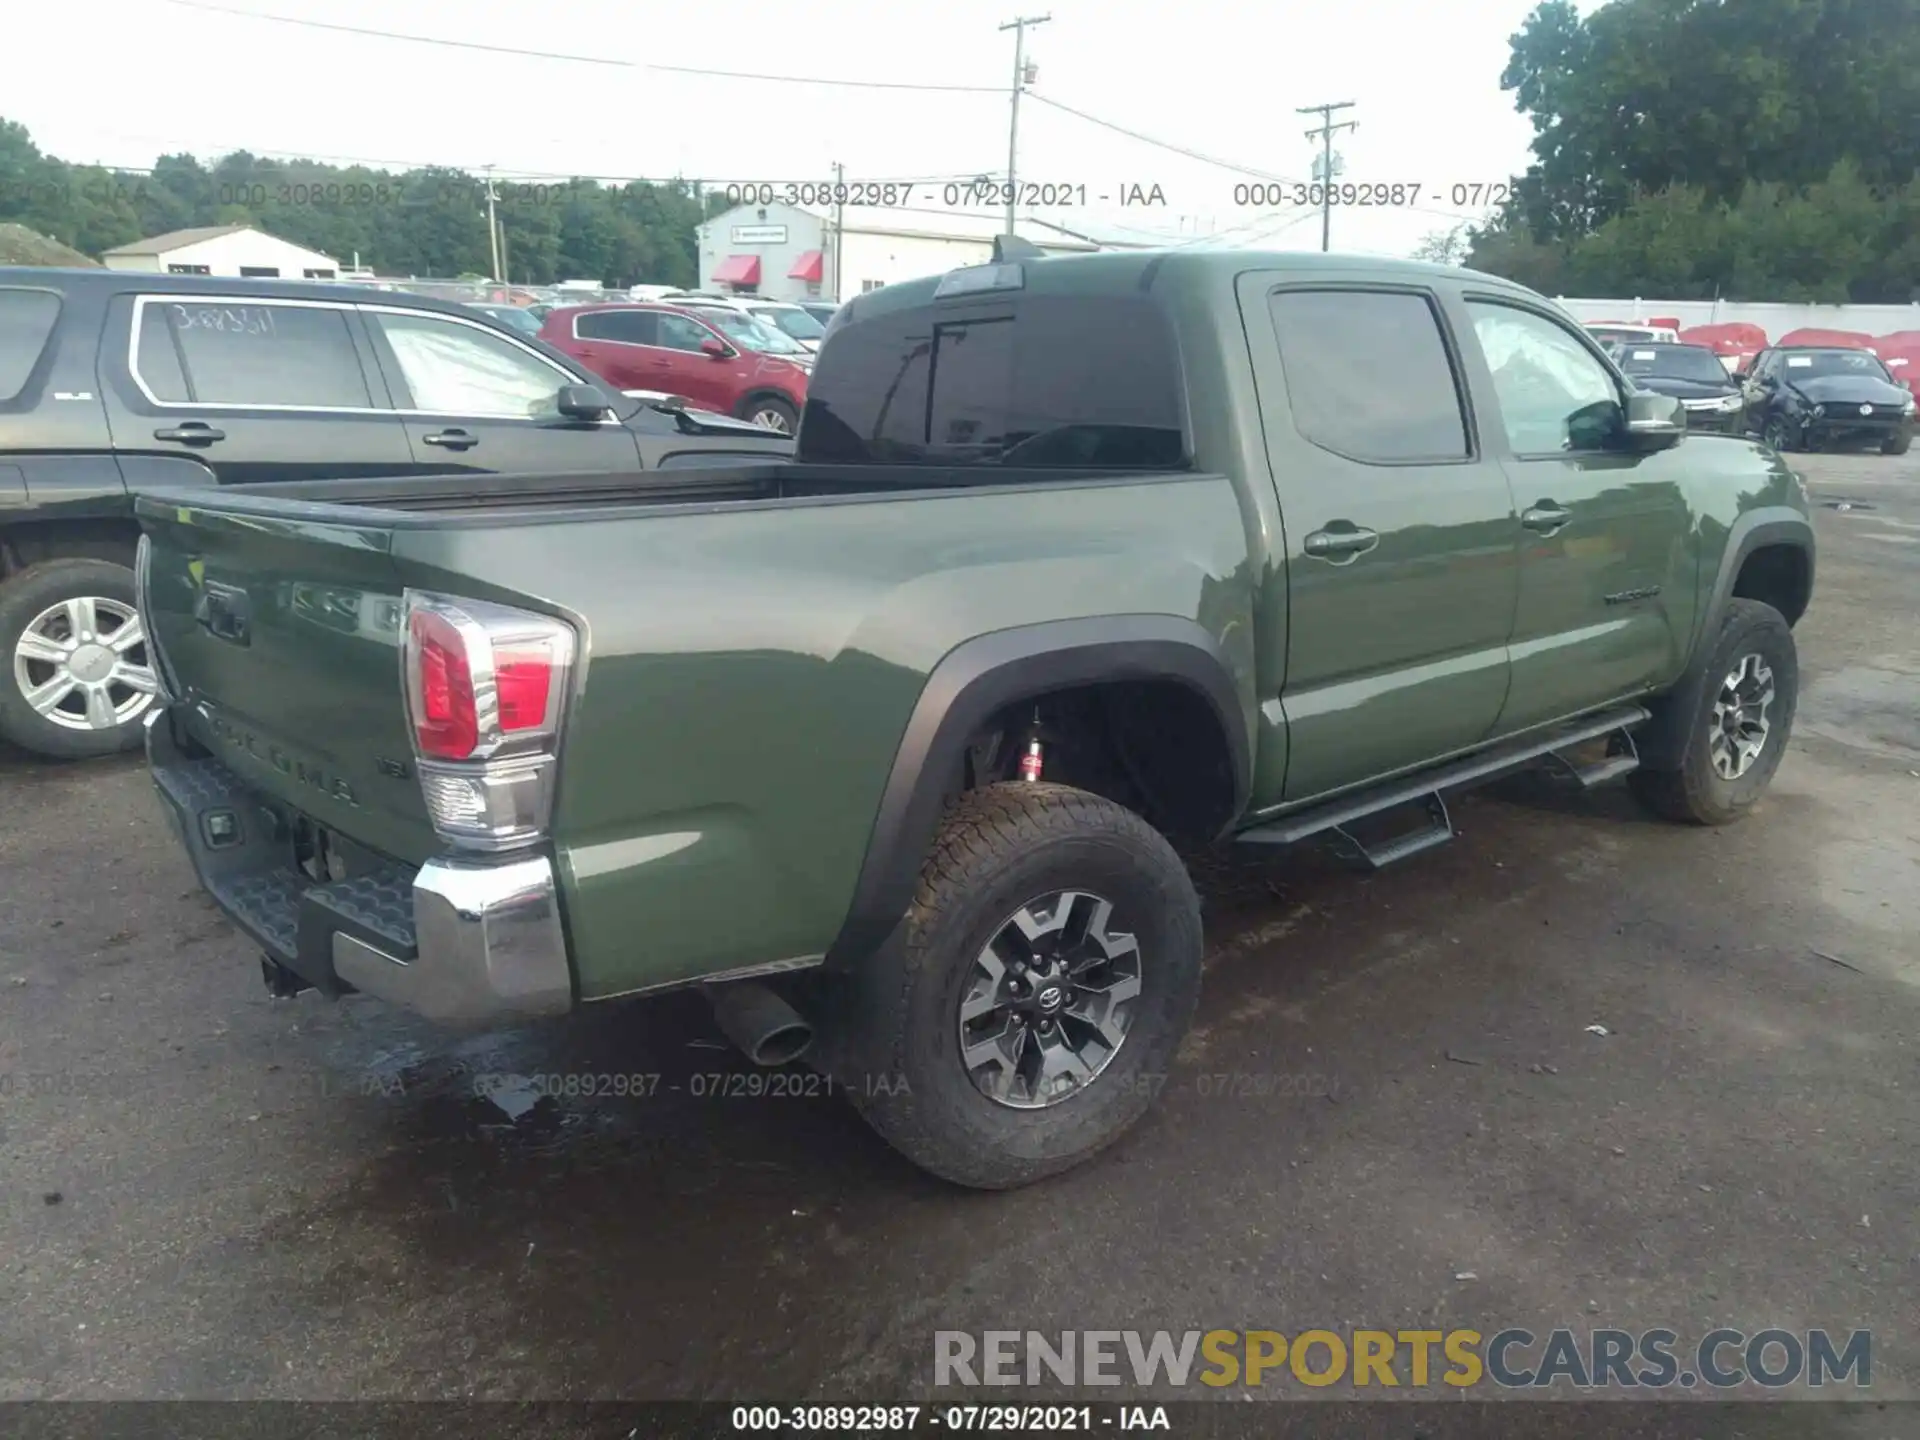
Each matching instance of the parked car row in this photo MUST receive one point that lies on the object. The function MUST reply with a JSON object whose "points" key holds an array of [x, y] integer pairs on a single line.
{"points": [[1738, 344], [113, 382], [1795, 397]]}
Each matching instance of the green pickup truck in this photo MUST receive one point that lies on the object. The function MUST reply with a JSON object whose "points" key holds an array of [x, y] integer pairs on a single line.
{"points": [[890, 748]]}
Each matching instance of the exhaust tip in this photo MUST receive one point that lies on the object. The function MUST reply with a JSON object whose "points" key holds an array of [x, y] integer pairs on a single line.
{"points": [[766, 1029], [783, 1046]]}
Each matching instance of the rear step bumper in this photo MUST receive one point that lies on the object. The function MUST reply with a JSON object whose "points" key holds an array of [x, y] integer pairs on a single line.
{"points": [[462, 943]]}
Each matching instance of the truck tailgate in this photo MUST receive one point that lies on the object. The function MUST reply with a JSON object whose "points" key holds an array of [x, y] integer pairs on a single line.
{"points": [[279, 641]]}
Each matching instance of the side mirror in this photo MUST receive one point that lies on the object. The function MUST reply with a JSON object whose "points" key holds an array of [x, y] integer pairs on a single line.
{"points": [[1654, 422], [715, 350], [582, 402]]}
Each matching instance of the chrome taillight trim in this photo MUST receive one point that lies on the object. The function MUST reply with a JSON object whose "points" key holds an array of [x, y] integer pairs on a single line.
{"points": [[484, 627], [510, 777]]}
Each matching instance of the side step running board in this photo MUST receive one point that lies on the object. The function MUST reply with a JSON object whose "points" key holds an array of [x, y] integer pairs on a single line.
{"points": [[1427, 786]]}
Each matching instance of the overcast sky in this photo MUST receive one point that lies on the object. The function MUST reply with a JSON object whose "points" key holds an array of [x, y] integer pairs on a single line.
{"points": [[1220, 77]]}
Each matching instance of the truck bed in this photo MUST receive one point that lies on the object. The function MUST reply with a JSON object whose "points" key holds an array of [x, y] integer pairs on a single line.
{"points": [[753, 641]]}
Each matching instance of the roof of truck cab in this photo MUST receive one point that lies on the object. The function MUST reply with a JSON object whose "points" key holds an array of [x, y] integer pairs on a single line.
{"points": [[120, 282], [1117, 272]]}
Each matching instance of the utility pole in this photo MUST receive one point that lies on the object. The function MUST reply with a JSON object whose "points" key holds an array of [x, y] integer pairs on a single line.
{"points": [[1325, 135], [1019, 28], [839, 221], [493, 233]]}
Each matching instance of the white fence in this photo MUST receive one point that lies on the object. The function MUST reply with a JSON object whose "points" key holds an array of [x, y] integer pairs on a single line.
{"points": [[1776, 320]]}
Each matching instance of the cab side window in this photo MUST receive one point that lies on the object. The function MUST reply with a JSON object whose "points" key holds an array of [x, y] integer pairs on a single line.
{"points": [[1554, 393], [1368, 375]]}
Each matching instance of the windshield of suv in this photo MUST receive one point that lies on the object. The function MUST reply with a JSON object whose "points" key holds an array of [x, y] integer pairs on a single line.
{"points": [[1818, 364], [749, 333], [796, 322], [1674, 362]]}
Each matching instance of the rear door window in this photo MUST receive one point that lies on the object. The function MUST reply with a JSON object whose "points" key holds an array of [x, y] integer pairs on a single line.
{"points": [[27, 318], [248, 353], [1368, 375], [626, 327], [1052, 381]]}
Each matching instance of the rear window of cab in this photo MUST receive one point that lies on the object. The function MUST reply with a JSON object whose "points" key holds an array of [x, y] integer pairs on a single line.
{"points": [[1047, 381]]}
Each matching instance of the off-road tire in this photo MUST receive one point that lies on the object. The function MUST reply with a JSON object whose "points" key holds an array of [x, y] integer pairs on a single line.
{"points": [[1896, 444], [23, 596], [998, 849], [1694, 792]]}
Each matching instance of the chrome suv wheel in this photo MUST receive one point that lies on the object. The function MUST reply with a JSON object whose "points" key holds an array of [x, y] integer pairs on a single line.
{"points": [[82, 664]]}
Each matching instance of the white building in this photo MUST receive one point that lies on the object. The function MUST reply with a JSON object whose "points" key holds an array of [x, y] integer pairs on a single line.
{"points": [[785, 252], [233, 250]]}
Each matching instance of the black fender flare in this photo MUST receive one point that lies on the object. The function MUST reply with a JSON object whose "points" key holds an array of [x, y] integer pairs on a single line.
{"points": [[1662, 739], [984, 675]]}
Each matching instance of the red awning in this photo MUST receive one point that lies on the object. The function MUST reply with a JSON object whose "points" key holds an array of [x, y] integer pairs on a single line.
{"points": [[809, 267], [738, 270]]}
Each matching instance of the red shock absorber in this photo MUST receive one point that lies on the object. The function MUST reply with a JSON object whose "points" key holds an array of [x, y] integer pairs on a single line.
{"points": [[1032, 760]]}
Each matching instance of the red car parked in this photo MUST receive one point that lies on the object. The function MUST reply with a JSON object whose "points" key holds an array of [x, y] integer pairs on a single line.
{"points": [[665, 349]]}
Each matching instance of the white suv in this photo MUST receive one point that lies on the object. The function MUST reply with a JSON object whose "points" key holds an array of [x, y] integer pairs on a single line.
{"points": [[794, 321]]}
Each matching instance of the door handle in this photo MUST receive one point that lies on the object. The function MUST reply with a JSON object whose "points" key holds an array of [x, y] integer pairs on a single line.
{"points": [[1346, 543], [451, 439], [193, 432], [1546, 517]]}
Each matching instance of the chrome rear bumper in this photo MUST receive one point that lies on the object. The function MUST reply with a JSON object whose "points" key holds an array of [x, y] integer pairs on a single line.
{"points": [[471, 943]]}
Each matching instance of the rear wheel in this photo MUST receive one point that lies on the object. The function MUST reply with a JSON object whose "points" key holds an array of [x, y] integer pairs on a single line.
{"points": [[76, 675], [1742, 719], [1029, 1010], [772, 412]]}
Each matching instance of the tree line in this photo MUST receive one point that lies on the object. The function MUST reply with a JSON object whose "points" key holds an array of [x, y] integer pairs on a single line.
{"points": [[425, 222], [1746, 149]]}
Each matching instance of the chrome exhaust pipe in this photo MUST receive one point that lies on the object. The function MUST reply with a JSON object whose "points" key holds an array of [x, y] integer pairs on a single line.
{"points": [[767, 1029]]}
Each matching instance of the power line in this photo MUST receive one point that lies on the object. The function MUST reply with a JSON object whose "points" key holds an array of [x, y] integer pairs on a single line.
{"points": [[1020, 75], [1162, 144], [1325, 135], [524, 53]]}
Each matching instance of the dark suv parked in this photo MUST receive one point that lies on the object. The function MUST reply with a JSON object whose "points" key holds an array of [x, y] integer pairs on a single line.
{"points": [[112, 382]]}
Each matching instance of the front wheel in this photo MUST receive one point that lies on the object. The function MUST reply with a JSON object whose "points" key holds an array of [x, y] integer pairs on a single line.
{"points": [[1897, 444], [1030, 1008], [1742, 719], [76, 673], [1779, 435]]}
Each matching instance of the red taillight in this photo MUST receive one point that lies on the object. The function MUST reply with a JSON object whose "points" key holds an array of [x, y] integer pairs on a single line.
{"points": [[485, 687], [522, 679], [445, 725]]}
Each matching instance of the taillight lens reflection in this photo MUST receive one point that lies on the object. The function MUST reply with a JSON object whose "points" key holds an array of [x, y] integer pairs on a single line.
{"points": [[522, 679], [445, 725]]}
